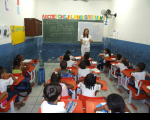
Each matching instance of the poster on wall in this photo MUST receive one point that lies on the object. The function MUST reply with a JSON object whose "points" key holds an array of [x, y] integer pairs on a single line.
{"points": [[6, 32], [17, 34], [1, 32]]}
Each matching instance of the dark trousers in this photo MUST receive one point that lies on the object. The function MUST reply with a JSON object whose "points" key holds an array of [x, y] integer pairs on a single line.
{"points": [[133, 85], [101, 65], [12, 94]]}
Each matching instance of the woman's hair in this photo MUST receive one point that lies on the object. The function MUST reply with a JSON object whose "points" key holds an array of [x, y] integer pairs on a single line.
{"points": [[16, 62], [115, 103], [108, 51], [52, 91], [63, 64], [66, 57], [2, 70], [84, 33], [82, 65], [68, 52], [119, 56], [90, 81], [56, 77], [125, 61]]}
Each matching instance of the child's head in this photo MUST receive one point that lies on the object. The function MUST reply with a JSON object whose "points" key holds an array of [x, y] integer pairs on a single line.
{"points": [[82, 65], [107, 51], [124, 61], [63, 64], [2, 72], [68, 52], [66, 57], [115, 103], [86, 56], [141, 66], [56, 77], [17, 62], [118, 57], [90, 81], [20, 57], [52, 92]]}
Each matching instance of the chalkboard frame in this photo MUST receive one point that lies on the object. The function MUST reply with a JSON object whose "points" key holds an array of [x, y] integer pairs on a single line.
{"points": [[73, 41]]}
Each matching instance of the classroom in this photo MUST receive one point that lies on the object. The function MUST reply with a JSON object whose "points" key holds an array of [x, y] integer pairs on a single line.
{"points": [[74, 56]]}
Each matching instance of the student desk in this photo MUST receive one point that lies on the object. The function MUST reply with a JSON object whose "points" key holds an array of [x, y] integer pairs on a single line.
{"points": [[36, 64], [31, 72], [127, 74], [19, 80], [110, 59], [78, 109], [91, 105], [144, 87], [72, 82]]}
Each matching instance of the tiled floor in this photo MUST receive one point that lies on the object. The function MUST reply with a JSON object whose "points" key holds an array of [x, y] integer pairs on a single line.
{"points": [[34, 100]]}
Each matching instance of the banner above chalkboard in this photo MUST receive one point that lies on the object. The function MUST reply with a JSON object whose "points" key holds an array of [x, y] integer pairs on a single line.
{"points": [[78, 17]]}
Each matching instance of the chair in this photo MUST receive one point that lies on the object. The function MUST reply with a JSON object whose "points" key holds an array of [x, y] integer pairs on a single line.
{"points": [[85, 98], [10, 104], [72, 67], [138, 96]]}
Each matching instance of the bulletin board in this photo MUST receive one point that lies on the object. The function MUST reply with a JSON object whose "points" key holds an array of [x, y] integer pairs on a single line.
{"points": [[17, 34]]}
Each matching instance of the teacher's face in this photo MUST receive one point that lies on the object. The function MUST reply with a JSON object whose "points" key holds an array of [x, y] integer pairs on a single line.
{"points": [[86, 32]]}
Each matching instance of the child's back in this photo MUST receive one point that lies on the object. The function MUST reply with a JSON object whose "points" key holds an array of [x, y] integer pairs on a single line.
{"points": [[83, 71], [89, 87]]}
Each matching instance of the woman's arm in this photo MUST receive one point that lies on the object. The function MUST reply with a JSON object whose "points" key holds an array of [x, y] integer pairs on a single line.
{"points": [[81, 41], [14, 79], [99, 108]]}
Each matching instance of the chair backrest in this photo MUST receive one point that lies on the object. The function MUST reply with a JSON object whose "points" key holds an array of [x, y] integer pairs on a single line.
{"points": [[84, 98], [72, 67]]}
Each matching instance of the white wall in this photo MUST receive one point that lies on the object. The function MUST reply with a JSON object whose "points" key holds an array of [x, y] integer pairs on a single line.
{"points": [[72, 8], [133, 20], [27, 10]]}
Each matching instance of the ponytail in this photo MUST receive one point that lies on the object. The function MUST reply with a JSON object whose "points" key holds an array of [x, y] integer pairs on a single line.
{"points": [[16, 62], [125, 61], [108, 52]]}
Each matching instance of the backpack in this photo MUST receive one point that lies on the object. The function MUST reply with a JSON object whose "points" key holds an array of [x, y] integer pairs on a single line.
{"points": [[40, 76], [24, 86], [65, 73]]}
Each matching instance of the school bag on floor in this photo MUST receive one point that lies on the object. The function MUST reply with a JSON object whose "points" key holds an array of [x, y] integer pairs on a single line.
{"points": [[24, 86], [40, 76]]}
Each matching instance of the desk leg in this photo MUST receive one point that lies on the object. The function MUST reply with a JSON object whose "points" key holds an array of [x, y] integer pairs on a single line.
{"points": [[73, 94]]}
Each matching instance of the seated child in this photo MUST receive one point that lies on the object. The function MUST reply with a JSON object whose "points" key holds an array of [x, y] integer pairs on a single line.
{"points": [[86, 59], [56, 78], [83, 70], [70, 63], [138, 74], [52, 94], [124, 64], [90, 86], [114, 104], [69, 53], [107, 54], [6, 82], [118, 57], [64, 71], [18, 66]]}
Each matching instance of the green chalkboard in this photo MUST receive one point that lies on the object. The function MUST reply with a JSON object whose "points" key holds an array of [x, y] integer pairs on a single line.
{"points": [[61, 30]]}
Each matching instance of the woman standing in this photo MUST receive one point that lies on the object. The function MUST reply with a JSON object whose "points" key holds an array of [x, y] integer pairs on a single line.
{"points": [[86, 40]]}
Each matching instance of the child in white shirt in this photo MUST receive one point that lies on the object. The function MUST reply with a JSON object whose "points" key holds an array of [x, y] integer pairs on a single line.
{"points": [[69, 53], [90, 86], [107, 54], [70, 63], [52, 94], [124, 64], [114, 104], [83, 70], [138, 74], [4, 82]]}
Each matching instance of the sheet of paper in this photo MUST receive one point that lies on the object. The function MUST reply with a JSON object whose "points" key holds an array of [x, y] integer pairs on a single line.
{"points": [[148, 87], [94, 62], [27, 60], [77, 57]]}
